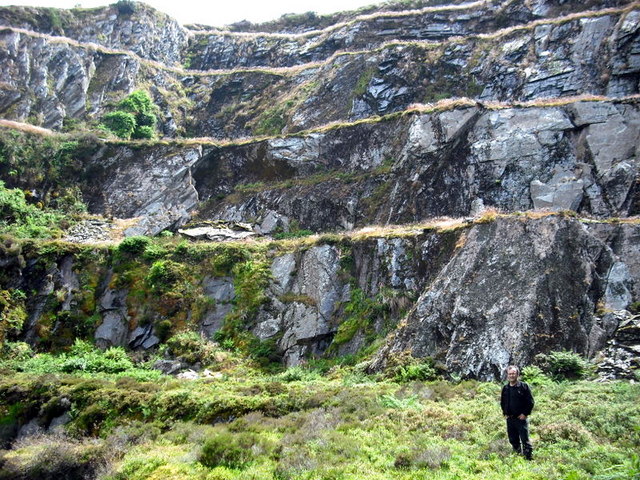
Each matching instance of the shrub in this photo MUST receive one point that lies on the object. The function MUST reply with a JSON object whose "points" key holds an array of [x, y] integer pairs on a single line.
{"points": [[16, 351], [564, 365], [147, 120], [298, 374], [12, 312], [416, 372], [154, 251], [134, 245], [427, 458], [391, 401], [163, 329], [193, 348], [403, 367], [164, 273], [84, 357], [361, 312], [24, 220], [122, 124], [143, 132], [568, 431], [53, 457], [135, 117], [138, 102], [126, 7], [228, 450], [534, 375]]}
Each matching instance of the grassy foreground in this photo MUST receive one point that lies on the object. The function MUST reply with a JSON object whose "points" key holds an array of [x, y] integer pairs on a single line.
{"points": [[239, 423]]}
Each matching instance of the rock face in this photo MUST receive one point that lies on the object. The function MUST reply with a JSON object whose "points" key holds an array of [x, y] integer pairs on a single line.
{"points": [[620, 358], [367, 65], [305, 295], [424, 165], [581, 156], [131, 26], [474, 298], [155, 185], [513, 289]]}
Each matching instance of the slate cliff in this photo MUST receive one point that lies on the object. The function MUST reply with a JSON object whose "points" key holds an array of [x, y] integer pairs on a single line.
{"points": [[378, 117]]}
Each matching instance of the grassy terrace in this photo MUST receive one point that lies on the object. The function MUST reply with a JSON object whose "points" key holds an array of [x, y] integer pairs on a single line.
{"points": [[416, 108]]}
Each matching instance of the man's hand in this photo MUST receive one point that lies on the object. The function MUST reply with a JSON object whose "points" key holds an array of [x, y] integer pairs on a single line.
{"points": [[522, 416]]}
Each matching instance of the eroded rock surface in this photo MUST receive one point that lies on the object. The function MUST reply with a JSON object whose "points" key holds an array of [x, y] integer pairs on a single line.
{"points": [[514, 289]]}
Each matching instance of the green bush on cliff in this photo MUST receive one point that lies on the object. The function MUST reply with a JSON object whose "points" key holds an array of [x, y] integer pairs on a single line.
{"points": [[48, 168], [23, 219], [82, 358], [135, 117], [85, 357], [12, 312], [135, 245], [194, 348], [122, 124], [164, 273], [361, 312]]}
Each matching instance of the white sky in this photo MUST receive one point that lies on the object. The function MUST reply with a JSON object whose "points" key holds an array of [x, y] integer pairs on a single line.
{"points": [[218, 12]]}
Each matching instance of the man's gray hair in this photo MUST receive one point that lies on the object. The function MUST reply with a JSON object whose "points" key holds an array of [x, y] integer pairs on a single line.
{"points": [[513, 367]]}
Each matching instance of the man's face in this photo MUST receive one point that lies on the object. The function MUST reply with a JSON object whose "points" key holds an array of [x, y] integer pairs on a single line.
{"points": [[512, 375]]}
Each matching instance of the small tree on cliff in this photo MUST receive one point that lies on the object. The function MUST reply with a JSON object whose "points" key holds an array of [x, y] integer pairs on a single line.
{"points": [[135, 117]]}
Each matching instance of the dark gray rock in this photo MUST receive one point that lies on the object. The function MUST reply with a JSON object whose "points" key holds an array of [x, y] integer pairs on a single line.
{"points": [[143, 337], [306, 293], [58, 423], [621, 357], [515, 289], [154, 184], [169, 367], [30, 428], [222, 292], [114, 329], [46, 81], [141, 29], [426, 165]]}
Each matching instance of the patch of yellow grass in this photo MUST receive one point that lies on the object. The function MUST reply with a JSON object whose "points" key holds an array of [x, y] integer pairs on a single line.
{"points": [[26, 127], [116, 234]]}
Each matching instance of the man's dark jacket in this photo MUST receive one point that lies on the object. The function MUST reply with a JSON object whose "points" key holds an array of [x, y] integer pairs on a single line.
{"points": [[521, 402]]}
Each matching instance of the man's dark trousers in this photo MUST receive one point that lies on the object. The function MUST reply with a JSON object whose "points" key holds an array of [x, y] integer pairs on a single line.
{"points": [[518, 432]]}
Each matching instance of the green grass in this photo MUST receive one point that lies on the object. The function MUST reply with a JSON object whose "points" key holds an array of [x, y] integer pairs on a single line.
{"points": [[343, 425]]}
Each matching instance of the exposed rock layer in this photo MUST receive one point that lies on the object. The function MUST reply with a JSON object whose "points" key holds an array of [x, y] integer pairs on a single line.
{"points": [[478, 297], [50, 79]]}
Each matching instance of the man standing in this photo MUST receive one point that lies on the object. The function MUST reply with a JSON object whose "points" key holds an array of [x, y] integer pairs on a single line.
{"points": [[517, 402]]}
